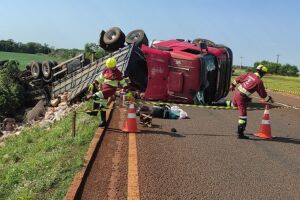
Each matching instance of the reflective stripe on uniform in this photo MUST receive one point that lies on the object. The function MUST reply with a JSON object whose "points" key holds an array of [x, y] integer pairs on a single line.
{"points": [[234, 82], [123, 83], [243, 90], [100, 78], [113, 83], [242, 121]]}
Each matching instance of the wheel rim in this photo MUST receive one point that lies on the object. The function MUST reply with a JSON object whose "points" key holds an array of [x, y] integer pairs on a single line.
{"points": [[111, 35], [46, 71], [35, 71]]}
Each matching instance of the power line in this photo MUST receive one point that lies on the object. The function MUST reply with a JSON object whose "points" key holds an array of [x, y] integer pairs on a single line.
{"points": [[241, 62], [277, 57]]}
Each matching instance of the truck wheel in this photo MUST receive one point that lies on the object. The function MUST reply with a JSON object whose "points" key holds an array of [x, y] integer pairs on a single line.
{"points": [[36, 70], [47, 70], [138, 37], [209, 43], [113, 35]]}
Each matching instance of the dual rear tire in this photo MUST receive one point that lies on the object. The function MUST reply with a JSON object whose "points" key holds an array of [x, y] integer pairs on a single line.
{"points": [[114, 38], [43, 70]]}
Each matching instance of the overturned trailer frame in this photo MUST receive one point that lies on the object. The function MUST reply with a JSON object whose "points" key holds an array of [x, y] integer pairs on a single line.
{"points": [[173, 70]]}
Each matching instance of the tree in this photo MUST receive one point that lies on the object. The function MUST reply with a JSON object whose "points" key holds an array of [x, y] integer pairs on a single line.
{"points": [[274, 68], [30, 47], [11, 91], [90, 48]]}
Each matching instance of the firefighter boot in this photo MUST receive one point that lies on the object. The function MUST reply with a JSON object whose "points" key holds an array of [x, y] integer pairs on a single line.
{"points": [[103, 119], [241, 129]]}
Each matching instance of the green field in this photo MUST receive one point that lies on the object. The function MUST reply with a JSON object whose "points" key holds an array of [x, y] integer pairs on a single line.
{"points": [[283, 84], [40, 163], [25, 58]]}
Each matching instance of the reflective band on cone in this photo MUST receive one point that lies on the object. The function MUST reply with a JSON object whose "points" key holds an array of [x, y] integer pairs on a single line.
{"points": [[131, 116], [265, 122], [130, 125], [265, 127]]}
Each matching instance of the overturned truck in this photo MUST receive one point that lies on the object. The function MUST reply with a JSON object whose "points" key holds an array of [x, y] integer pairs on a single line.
{"points": [[171, 70], [174, 70]]}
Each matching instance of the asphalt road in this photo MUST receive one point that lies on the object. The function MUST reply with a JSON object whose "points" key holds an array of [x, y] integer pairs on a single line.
{"points": [[204, 159]]}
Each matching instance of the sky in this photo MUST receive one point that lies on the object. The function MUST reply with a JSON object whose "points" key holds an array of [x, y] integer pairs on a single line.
{"points": [[254, 29]]}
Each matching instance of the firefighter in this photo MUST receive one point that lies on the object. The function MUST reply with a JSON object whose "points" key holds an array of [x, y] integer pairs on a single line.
{"points": [[109, 80], [92, 89], [246, 85]]}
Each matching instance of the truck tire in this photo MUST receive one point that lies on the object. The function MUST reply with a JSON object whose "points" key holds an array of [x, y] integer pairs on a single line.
{"points": [[138, 37], [209, 43], [114, 35], [47, 70], [36, 69]]}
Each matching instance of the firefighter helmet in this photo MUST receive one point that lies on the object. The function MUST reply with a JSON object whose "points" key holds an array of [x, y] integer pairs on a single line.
{"points": [[262, 68], [111, 63]]}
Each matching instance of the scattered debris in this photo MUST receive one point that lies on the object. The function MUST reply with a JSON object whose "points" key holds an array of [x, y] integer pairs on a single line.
{"points": [[146, 119], [55, 102], [9, 124]]}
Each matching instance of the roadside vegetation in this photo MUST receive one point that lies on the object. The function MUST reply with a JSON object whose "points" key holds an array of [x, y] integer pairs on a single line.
{"points": [[12, 93], [41, 164]]}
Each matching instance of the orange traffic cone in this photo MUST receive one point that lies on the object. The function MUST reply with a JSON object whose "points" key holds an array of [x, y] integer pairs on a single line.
{"points": [[130, 125], [265, 127]]}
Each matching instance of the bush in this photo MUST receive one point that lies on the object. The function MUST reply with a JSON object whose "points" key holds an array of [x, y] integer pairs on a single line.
{"points": [[11, 91]]}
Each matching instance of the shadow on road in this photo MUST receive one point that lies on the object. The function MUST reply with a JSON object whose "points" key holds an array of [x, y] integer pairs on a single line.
{"points": [[261, 106], [150, 132], [215, 135], [155, 132], [278, 139]]}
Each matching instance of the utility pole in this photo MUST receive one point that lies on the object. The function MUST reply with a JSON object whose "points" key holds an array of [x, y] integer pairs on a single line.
{"points": [[241, 61], [277, 58]]}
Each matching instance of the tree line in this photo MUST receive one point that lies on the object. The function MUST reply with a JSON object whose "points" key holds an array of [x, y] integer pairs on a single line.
{"points": [[279, 69], [273, 68], [19, 47]]}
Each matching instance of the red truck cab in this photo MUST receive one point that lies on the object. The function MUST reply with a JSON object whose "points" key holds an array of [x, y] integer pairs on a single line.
{"points": [[179, 71]]}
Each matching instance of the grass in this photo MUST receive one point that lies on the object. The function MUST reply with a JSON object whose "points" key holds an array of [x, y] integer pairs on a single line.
{"points": [[285, 84], [25, 58], [41, 164]]}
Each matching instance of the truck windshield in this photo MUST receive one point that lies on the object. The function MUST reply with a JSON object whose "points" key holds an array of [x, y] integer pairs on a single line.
{"points": [[207, 65]]}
